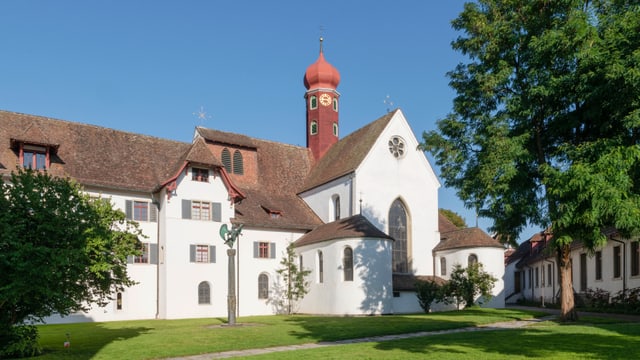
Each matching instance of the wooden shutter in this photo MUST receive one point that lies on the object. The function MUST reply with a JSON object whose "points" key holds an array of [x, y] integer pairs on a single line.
{"points": [[256, 249], [216, 211], [272, 250], [153, 212], [186, 209], [192, 253], [128, 209], [153, 254], [212, 254]]}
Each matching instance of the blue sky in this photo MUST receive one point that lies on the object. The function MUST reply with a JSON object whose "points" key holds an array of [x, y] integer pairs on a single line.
{"points": [[150, 66]]}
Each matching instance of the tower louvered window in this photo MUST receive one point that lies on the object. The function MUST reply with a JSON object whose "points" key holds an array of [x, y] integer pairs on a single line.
{"points": [[226, 159], [238, 166]]}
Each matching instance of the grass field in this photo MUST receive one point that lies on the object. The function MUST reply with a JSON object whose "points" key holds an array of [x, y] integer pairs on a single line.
{"points": [[167, 338]]}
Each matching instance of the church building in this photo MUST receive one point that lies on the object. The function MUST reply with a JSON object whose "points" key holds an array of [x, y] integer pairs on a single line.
{"points": [[361, 211]]}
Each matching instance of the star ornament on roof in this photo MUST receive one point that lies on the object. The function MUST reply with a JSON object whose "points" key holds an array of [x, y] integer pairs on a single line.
{"points": [[202, 115]]}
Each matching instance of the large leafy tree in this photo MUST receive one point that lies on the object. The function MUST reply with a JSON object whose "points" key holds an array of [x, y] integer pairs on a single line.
{"points": [[60, 251], [546, 121]]}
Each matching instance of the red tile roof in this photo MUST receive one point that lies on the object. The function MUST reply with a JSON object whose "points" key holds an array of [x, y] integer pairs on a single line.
{"points": [[356, 226], [445, 225], [92, 155], [407, 282], [466, 238], [281, 169], [347, 154]]}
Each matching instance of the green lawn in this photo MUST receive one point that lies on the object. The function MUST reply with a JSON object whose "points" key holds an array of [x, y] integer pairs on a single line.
{"points": [[165, 338]]}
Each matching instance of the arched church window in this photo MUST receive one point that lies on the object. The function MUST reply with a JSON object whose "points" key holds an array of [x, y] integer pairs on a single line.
{"points": [[204, 293], [472, 259], [313, 102], [263, 286], [238, 165], [314, 128], [335, 129], [347, 264], [335, 104], [336, 207], [226, 160], [320, 267], [399, 230], [443, 266]]}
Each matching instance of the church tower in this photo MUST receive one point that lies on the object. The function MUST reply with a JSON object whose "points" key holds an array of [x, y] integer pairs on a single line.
{"points": [[321, 80]]}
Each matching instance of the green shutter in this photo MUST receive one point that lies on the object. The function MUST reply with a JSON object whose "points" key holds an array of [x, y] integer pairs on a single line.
{"points": [[153, 254], [153, 212], [216, 211], [128, 209], [186, 209], [212, 254]]}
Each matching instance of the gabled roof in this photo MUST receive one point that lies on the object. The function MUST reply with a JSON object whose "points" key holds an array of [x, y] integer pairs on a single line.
{"points": [[281, 168], [356, 226], [223, 137], [93, 155], [445, 225], [466, 238], [201, 154], [275, 211], [346, 155]]}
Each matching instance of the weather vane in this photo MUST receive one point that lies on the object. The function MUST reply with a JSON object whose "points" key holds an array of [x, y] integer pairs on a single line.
{"points": [[202, 115], [230, 236]]}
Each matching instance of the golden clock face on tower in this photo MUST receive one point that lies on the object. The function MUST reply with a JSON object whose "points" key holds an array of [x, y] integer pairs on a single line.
{"points": [[325, 99]]}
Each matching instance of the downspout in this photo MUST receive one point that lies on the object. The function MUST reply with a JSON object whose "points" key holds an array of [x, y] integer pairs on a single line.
{"points": [[157, 204], [624, 263]]}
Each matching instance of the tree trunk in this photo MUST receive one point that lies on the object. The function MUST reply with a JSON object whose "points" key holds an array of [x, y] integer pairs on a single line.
{"points": [[567, 303]]}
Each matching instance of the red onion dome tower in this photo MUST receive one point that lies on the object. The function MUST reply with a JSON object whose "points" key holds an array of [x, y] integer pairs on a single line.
{"points": [[322, 99]]}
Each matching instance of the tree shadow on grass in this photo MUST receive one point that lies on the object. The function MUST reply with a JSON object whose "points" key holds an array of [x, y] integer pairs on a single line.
{"points": [[614, 341], [322, 329], [86, 339]]}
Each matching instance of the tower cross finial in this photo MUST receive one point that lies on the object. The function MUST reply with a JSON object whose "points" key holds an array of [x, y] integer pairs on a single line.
{"points": [[321, 40]]}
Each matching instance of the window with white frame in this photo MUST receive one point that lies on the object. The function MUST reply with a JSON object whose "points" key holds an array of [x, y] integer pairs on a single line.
{"points": [[347, 263], [202, 253], [198, 174], [140, 210], [264, 250], [204, 293], [148, 255], [201, 210]]}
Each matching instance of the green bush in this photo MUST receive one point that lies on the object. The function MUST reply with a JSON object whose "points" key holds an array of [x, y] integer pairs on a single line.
{"points": [[428, 292], [19, 341]]}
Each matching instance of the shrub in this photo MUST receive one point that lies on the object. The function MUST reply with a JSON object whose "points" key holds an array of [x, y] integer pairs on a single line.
{"points": [[428, 292], [627, 300], [19, 341], [597, 298]]}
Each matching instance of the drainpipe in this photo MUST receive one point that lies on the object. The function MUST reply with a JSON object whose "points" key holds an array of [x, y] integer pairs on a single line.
{"points": [[624, 263], [157, 205]]}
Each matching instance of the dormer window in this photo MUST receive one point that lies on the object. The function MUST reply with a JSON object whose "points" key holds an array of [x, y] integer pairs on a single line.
{"points": [[200, 175], [34, 157]]}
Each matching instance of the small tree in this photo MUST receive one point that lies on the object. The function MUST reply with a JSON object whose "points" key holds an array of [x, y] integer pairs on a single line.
{"points": [[428, 291], [466, 284], [60, 252], [294, 278], [454, 217]]}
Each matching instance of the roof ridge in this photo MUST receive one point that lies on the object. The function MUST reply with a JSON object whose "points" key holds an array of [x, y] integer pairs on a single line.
{"points": [[76, 123]]}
